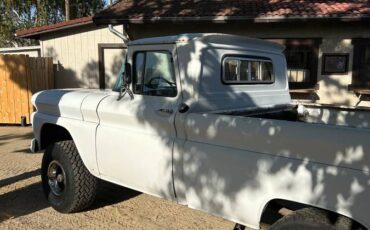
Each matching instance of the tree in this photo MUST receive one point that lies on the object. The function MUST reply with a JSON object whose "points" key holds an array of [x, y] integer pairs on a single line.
{"points": [[67, 9], [19, 14]]}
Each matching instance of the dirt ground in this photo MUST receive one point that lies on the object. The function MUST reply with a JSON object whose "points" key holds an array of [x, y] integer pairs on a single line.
{"points": [[23, 205]]}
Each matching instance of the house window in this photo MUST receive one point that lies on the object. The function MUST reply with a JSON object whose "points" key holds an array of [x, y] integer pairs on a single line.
{"points": [[241, 70], [361, 64], [302, 61], [154, 74]]}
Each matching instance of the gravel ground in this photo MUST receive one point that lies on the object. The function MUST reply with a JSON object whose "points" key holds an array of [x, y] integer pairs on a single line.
{"points": [[23, 205]]}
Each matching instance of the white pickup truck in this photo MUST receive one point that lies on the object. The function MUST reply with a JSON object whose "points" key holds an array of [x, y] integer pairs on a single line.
{"points": [[205, 120]]}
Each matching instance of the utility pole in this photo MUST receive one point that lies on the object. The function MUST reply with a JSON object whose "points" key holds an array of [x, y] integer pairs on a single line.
{"points": [[67, 8]]}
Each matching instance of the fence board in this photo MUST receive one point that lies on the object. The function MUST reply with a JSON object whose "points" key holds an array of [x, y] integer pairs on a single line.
{"points": [[24, 88], [29, 86], [21, 77], [10, 89]]}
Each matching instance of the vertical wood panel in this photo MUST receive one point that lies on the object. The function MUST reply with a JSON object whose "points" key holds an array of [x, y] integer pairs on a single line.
{"points": [[10, 88], [29, 88], [51, 74], [2, 89], [20, 77], [23, 92], [15, 80]]}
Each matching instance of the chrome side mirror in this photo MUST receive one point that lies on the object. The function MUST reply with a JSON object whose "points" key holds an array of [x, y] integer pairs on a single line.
{"points": [[125, 83]]}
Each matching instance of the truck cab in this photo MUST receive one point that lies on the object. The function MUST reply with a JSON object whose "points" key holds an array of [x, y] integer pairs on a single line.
{"points": [[175, 71]]}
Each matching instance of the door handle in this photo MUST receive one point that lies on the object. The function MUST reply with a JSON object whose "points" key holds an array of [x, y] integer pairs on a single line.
{"points": [[183, 108], [166, 111]]}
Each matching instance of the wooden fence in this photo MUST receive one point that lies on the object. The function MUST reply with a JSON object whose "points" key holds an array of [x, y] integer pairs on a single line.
{"points": [[20, 77]]}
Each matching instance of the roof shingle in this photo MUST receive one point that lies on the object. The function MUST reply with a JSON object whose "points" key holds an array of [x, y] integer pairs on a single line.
{"points": [[52, 27], [147, 10]]}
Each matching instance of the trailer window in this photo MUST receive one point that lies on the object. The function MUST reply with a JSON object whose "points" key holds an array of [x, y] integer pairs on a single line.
{"points": [[238, 70]]}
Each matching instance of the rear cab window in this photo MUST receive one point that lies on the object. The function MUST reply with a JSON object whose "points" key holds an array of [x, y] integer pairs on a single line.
{"points": [[247, 70]]}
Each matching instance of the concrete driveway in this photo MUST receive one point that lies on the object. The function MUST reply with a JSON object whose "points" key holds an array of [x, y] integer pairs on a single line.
{"points": [[23, 205]]}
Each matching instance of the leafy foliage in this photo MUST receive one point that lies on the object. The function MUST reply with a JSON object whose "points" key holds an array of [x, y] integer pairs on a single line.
{"points": [[20, 14]]}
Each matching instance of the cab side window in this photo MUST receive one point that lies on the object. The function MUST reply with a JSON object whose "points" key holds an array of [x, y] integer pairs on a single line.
{"points": [[154, 74]]}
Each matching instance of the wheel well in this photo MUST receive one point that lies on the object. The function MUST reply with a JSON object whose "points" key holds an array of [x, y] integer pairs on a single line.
{"points": [[51, 133], [278, 208]]}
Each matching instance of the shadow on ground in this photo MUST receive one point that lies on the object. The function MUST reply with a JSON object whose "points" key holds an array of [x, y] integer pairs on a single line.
{"points": [[109, 194], [22, 201], [23, 176], [24, 150], [4, 139], [29, 199]]}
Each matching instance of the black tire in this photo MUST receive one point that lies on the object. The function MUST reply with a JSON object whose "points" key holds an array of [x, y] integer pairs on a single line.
{"points": [[313, 218], [69, 186]]}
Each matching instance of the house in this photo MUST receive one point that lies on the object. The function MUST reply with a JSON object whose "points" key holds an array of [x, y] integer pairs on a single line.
{"points": [[84, 55], [31, 51], [327, 42]]}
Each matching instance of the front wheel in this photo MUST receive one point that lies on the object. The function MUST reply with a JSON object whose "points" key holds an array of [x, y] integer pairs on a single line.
{"points": [[67, 184]]}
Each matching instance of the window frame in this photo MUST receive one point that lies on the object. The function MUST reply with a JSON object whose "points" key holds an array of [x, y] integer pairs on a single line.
{"points": [[312, 44], [101, 59], [144, 65], [359, 45], [247, 58]]}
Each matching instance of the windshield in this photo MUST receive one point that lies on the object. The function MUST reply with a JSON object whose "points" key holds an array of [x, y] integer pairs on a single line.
{"points": [[118, 83]]}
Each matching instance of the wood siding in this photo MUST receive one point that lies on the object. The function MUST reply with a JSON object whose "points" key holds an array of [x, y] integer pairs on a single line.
{"points": [[75, 54], [20, 77]]}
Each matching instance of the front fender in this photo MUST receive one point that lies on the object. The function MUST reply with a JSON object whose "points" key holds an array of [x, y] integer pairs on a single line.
{"points": [[82, 133]]}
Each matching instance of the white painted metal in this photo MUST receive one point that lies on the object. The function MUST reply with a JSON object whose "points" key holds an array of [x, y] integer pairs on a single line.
{"points": [[233, 165], [226, 165], [138, 122]]}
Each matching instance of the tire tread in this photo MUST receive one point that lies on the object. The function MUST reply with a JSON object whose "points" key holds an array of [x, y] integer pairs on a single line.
{"points": [[84, 182]]}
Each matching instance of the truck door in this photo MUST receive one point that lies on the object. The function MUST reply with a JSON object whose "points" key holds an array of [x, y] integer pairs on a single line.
{"points": [[135, 136]]}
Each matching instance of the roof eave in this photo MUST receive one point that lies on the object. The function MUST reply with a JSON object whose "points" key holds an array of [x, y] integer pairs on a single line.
{"points": [[225, 19], [36, 35]]}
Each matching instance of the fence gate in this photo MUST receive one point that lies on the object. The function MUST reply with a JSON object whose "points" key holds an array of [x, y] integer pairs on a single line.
{"points": [[20, 77]]}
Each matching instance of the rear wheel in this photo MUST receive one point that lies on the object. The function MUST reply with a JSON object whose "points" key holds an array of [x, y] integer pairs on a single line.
{"points": [[313, 218], [67, 184]]}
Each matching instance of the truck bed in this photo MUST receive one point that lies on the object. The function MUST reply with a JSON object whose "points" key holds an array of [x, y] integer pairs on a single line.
{"points": [[318, 114]]}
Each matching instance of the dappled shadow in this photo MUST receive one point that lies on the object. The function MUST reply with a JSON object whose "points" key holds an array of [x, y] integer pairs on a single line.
{"points": [[117, 62], [90, 75], [228, 165], [115, 69], [20, 77], [85, 76], [65, 77], [276, 10], [13, 68]]}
